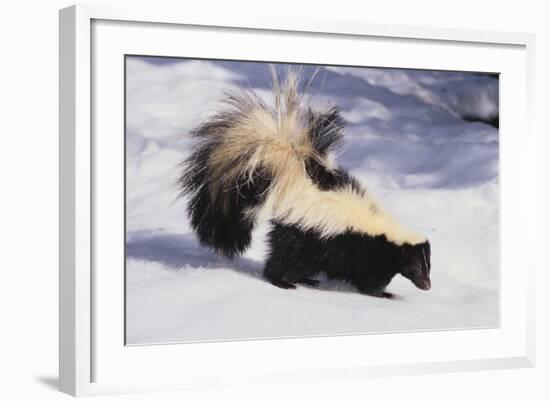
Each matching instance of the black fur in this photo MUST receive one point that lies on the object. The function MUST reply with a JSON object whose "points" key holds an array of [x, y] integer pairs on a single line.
{"points": [[220, 220], [369, 263], [330, 180], [221, 223], [326, 130]]}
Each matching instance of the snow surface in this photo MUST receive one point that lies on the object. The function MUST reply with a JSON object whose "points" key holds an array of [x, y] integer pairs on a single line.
{"points": [[407, 140]]}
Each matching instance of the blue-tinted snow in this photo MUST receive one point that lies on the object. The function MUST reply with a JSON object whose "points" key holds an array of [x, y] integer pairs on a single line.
{"points": [[408, 141]]}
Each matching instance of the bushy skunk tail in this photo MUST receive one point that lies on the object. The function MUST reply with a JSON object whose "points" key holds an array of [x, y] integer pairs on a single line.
{"points": [[248, 155]]}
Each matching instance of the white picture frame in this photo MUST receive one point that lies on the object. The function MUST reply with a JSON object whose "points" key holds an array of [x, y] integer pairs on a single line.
{"points": [[85, 349]]}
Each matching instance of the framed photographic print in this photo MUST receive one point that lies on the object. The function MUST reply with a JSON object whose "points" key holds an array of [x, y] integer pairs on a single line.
{"points": [[325, 191]]}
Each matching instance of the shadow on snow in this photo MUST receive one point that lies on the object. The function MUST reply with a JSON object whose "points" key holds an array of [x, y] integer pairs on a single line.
{"points": [[183, 250]]}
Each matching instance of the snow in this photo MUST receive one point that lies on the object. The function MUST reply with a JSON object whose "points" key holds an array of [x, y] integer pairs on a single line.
{"points": [[407, 140]]}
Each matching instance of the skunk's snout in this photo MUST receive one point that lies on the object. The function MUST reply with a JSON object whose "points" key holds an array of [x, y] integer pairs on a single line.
{"points": [[423, 283], [426, 285]]}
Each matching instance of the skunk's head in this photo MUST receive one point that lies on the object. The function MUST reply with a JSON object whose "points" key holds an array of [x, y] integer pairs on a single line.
{"points": [[415, 264]]}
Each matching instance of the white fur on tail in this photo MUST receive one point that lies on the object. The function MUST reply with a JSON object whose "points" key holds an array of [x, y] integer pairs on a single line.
{"points": [[277, 139]]}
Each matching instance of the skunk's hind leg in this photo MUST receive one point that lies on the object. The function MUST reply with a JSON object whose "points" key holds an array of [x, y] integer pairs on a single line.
{"points": [[289, 261], [308, 281], [286, 276], [275, 273]]}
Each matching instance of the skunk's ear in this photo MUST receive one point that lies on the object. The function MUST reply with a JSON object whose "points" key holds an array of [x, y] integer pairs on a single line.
{"points": [[424, 282], [428, 256], [429, 251]]}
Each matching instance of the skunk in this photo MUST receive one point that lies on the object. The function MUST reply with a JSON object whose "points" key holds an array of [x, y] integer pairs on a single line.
{"points": [[253, 161]]}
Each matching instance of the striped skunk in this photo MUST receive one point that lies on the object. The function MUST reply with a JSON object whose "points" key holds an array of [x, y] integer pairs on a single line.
{"points": [[254, 161]]}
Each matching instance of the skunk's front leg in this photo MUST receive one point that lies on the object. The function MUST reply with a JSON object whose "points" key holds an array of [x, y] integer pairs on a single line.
{"points": [[371, 282], [377, 293], [373, 289]]}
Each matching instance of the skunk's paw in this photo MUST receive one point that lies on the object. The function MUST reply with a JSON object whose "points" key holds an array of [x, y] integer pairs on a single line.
{"points": [[282, 284], [309, 282], [378, 294]]}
